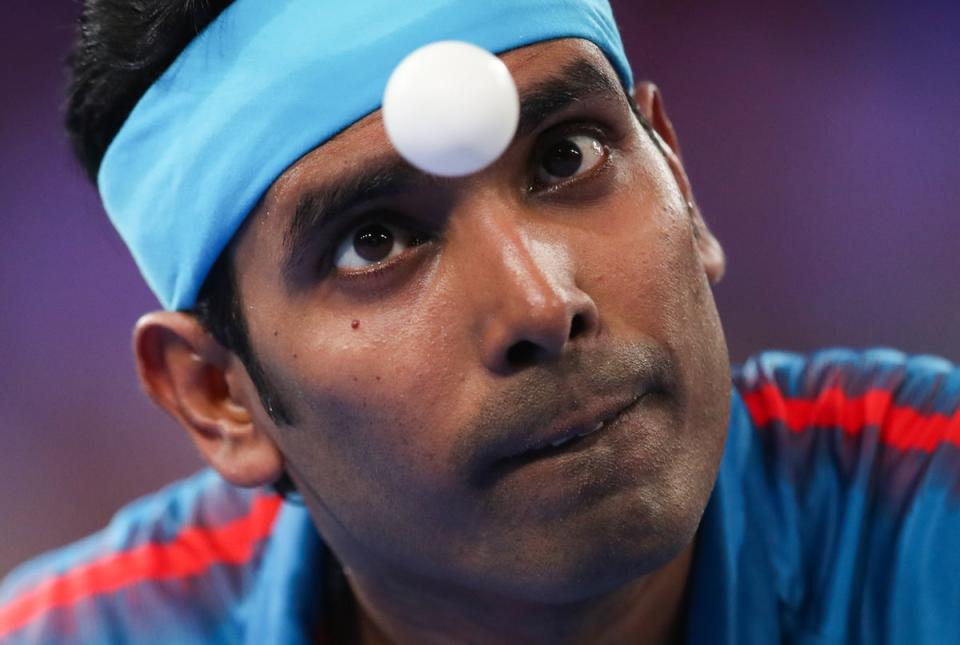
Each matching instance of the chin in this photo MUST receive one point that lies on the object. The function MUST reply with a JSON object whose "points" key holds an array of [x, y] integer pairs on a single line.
{"points": [[593, 559]]}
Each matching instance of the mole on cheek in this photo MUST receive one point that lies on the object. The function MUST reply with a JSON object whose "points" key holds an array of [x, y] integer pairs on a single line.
{"points": [[355, 324]]}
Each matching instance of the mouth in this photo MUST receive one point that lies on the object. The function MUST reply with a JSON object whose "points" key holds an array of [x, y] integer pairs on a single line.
{"points": [[567, 437], [574, 418]]}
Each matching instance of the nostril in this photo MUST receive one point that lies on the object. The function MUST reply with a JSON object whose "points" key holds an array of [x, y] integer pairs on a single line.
{"points": [[522, 353], [578, 325]]}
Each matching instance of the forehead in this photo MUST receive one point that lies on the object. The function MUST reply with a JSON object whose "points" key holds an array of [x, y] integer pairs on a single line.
{"points": [[367, 139]]}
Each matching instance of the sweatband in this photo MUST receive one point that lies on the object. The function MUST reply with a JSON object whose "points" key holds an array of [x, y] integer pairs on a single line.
{"points": [[267, 82]]}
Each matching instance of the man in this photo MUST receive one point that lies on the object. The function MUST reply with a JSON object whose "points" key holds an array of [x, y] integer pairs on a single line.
{"points": [[504, 400]]}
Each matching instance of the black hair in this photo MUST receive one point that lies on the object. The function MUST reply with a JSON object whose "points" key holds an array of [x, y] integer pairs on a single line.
{"points": [[122, 48]]}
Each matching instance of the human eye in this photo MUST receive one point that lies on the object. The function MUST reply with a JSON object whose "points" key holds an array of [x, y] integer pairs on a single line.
{"points": [[565, 156], [372, 245]]}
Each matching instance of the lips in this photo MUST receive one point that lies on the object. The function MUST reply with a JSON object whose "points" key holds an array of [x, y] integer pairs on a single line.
{"points": [[560, 409], [570, 434], [565, 440], [570, 427]]}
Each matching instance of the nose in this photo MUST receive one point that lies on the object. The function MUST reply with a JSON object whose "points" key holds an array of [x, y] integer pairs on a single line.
{"points": [[532, 310]]}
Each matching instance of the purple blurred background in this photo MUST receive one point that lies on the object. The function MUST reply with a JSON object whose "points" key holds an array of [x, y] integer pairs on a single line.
{"points": [[823, 140]]}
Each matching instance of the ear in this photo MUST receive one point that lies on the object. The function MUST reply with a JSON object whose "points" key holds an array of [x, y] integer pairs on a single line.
{"points": [[206, 388], [650, 103]]}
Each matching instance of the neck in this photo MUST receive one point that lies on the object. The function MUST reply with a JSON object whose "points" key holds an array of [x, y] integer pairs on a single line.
{"points": [[648, 610]]}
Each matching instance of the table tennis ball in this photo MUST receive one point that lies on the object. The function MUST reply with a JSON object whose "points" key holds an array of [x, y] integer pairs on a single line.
{"points": [[451, 108]]}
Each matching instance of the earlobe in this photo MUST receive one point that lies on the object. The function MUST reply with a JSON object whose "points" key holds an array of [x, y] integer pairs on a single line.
{"points": [[198, 382]]}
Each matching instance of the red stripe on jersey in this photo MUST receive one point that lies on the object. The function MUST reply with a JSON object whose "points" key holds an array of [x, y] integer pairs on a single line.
{"points": [[900, 426], [192, 552]]}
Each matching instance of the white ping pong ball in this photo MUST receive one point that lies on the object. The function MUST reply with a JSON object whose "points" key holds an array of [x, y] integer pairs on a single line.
{"points": [[451, 108]]}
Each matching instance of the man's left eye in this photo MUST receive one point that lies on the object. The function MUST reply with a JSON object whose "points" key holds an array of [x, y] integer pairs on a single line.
{"points": [[568, 156]]}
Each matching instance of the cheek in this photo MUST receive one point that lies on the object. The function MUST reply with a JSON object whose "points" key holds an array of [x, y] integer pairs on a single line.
{"points": [[374, 396], [647, 278], [640, 266]]}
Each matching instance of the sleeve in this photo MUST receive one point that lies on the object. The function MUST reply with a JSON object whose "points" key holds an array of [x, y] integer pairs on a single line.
{"points": [[863, 449], [172, 567]]}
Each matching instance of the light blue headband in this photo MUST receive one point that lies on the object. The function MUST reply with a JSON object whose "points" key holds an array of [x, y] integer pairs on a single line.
{"points": [[266, 83]]}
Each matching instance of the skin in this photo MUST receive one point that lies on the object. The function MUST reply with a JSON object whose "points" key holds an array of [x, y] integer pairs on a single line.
{"points": [[410, 384]]}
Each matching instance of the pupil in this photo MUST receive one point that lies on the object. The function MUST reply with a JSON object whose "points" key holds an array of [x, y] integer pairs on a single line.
{"points": [[563, 159], [373, 243]]}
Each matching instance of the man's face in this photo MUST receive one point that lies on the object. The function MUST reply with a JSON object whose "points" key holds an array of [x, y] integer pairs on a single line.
{"points": [[433, 337]]}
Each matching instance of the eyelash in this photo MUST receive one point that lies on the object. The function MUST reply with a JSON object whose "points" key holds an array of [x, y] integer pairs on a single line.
{"points": [[375, 271], [378, 216], [385, 216], [569, 131]]}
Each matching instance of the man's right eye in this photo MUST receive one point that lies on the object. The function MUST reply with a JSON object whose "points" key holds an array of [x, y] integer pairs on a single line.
{"points": [[373, 244]]}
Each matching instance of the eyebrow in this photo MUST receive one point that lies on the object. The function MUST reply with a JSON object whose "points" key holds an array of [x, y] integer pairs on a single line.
{"points": [[390, 175], [577, 81], [318, 207]]}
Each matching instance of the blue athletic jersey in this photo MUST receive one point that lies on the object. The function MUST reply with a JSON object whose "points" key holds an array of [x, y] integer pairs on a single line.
{"points": [[835, 519]]}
